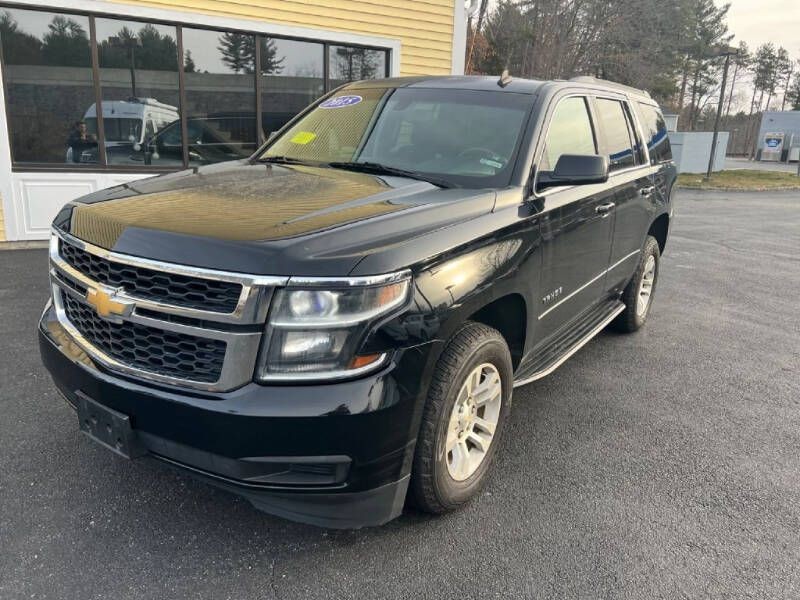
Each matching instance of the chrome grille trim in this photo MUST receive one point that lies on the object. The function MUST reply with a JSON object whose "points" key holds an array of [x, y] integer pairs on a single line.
{"points": [[242, 346], [251, 308]]}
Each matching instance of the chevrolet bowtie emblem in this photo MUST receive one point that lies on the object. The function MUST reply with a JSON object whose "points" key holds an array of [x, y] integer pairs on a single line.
{"points": [[107, 305]]}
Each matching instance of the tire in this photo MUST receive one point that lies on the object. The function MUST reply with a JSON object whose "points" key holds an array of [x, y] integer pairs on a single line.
{"points": [[441, 480], [637, 306]]}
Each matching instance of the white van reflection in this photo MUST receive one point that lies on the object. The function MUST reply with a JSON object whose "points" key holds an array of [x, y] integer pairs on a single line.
{"points": [[126, 124]]}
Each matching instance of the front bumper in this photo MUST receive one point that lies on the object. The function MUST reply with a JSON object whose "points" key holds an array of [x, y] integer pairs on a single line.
{"points": [[334, 455]]}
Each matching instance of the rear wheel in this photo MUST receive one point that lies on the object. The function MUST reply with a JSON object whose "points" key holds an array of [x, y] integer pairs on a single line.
{"points": [[638, 294], [464, 416]]}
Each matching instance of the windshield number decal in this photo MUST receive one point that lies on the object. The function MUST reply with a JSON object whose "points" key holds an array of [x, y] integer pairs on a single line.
{"points": [[341, 101]]}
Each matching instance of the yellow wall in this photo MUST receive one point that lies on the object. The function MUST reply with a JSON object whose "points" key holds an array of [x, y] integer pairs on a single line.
{"points": [[424, 27]]}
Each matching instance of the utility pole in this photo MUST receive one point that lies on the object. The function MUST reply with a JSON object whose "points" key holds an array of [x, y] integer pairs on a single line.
{"points": [[727, 53], [129, 44]]}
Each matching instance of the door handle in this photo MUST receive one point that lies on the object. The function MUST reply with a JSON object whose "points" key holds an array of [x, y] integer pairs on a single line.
{"points": [[602, 209], [647, 191]]}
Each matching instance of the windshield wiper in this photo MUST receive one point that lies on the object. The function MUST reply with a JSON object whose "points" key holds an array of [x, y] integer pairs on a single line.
{"points": [[379, 169], [283, 160]]}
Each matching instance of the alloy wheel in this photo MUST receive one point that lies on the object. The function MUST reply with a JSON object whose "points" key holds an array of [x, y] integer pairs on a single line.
{"points": [[646, 286], [473, 421]]}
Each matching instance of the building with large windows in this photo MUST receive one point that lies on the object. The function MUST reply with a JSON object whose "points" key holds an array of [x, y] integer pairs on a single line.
{"points": [[100, 93]]}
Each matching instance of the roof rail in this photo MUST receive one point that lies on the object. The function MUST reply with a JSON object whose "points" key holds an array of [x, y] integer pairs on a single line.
{"points": [[606, 83]]}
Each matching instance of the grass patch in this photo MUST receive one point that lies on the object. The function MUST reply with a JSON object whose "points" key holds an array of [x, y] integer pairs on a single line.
{"points": [[741, 179]]}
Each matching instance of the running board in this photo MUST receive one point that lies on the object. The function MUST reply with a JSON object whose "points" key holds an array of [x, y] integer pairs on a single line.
{"points": [[565, 345]]}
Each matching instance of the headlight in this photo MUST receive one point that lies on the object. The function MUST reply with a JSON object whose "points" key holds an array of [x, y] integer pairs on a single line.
{"points": [[315, 329]]}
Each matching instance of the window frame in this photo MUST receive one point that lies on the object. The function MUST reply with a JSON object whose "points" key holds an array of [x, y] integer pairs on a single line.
{"points": [[641, 159], [101, 166], [548, 120]]}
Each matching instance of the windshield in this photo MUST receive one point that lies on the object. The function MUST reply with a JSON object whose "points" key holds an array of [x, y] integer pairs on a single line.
{"points": [[468, 138], [117, 130]]}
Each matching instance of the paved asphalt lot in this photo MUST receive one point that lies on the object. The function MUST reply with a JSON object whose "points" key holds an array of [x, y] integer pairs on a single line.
{"points": [[760, 165], [664, 464]]}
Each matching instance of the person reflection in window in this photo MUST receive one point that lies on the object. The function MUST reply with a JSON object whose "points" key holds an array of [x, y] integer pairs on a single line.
{"points": [[79, 140]]}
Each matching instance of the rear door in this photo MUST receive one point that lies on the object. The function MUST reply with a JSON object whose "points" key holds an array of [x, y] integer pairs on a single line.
{"points": [[656, 139], [576, 226], [629, 177]]}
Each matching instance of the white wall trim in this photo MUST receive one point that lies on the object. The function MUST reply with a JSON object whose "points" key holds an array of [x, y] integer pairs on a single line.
{"points": [[16, 188], [6, 184], [459, 37]]}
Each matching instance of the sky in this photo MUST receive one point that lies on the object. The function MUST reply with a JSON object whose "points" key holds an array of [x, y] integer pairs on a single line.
{"points": [[760, 21]]}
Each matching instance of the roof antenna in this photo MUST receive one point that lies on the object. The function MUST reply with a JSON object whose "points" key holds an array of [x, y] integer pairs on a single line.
{"points": [[505, 79]]}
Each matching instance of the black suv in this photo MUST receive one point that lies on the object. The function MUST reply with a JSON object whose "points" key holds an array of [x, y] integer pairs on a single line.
{"points": [[339, 321]]}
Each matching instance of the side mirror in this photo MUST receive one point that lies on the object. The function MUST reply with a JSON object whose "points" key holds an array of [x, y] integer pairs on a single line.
{"points": [[579, 169]]}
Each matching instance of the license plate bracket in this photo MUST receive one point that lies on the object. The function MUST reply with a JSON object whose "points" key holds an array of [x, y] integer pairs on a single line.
{"points": [[108, 428]]}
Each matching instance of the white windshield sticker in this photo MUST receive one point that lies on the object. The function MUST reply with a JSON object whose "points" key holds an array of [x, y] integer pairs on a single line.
{"points": [[340, 101], [491, 163]]}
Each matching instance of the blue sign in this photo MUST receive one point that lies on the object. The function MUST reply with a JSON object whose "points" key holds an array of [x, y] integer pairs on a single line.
{"points": [[773, 142], [340, 101]]}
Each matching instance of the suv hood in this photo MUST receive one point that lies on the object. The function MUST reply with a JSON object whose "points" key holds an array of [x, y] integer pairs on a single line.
{"points": [[268, 219]]}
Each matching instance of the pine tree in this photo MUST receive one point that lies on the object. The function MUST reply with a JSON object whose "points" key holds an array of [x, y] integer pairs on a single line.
{"points": [[66, 43], [764, 64], [238, 51], [19, 48], [793, 93], [742, 62], [188, 63], [271, 64]]}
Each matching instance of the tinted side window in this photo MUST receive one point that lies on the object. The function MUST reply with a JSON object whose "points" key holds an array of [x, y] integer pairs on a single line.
{"points": [[569, 132], [614, 123], [655, 132]]}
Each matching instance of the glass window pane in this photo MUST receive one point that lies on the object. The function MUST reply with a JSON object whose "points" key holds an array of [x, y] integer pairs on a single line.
{"points": [[328, 135], [467, 137], [291, 79], [351, 64], [47, 67], [655, 132], [570, 132], [219, 73], [613, 121], [139, 87]]}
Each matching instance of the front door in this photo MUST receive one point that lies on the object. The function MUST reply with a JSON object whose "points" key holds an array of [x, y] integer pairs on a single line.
{"points": [[576, 224]]}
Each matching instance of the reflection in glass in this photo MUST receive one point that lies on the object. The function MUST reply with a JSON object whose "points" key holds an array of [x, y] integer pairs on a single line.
{"points": [[139, 87], [219, 74], [47, 67], [614, 124], [569, 132], [291, 79], [351, 64]]}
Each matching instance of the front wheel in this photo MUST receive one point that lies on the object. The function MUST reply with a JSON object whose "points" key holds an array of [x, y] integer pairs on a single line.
{"points": [[638, 294], [464, 415]]}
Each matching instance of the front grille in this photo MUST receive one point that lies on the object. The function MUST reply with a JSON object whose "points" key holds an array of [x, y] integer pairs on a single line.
{"points": [[154, 350], [159, 286]]}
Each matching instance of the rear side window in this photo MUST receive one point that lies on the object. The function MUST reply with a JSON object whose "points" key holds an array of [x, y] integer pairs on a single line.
{"points": [[570, 132], [617, 133], [654, 129]]}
